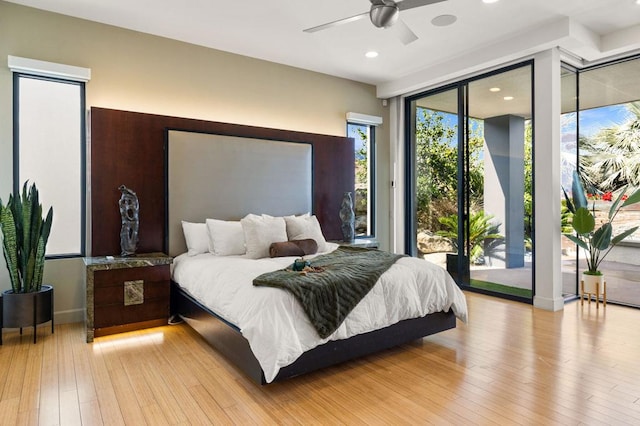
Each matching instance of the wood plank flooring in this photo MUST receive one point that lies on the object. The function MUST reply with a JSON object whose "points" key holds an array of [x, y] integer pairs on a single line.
{"points": [[512, 364]]}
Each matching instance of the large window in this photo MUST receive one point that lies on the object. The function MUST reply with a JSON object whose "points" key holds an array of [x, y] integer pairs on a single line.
{"points": [[363, 203], [49, 129], [601, 138], [569, 161]]}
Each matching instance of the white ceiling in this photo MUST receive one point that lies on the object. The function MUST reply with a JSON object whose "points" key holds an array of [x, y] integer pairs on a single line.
{"points": [[272, 30]]}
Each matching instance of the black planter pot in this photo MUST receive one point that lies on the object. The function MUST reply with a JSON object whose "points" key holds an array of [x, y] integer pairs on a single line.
{"points": [[452, 268], [26, 309]]}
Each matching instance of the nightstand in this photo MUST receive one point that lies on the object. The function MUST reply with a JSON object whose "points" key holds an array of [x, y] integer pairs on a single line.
{"points": [[126, 293], [359, 242]]}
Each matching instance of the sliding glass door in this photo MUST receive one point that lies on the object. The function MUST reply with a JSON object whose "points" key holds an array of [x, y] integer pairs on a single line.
{"points": [[437, 170], [470, 180]]}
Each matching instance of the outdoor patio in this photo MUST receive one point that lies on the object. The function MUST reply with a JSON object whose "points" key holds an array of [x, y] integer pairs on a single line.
{"points": [[623, 279]]}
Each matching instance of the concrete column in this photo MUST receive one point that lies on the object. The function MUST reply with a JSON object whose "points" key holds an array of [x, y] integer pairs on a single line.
{"points": [[548, 272], [504, 184]]}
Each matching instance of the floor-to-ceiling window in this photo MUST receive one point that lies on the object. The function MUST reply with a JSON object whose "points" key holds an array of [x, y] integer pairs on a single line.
{"points": [[469, 180], [609, 160], [569, 160]]}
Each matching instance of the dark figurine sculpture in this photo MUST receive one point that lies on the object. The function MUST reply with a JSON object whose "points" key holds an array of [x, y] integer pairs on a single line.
{"points": [[129, 207], [347, 217]]}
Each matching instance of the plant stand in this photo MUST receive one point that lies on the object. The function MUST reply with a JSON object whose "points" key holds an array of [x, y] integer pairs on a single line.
{"points": [[594, 291], [19, 310]]}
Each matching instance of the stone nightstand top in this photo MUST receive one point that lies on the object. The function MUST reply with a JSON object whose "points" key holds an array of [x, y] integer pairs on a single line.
{"points": [[136, 261]]}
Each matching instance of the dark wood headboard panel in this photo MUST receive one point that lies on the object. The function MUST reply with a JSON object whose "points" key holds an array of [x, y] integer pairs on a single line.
{"points": [[128, 148]]}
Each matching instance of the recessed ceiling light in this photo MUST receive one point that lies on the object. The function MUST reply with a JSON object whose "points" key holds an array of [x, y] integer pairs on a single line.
{"points": [[494, 89], [444, 20], [371, 54], [508, 98], [489, 1]]}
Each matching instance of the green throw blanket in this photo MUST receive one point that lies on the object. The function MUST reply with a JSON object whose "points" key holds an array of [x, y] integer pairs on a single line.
{"points": [[328, 296]]}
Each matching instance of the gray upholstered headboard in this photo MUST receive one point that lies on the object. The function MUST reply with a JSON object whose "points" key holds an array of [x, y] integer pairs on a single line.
{"points": [[227, 177]]}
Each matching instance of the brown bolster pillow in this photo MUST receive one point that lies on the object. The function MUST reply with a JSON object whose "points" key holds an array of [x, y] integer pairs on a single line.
{"points": [[308, 246], [293, 248]]}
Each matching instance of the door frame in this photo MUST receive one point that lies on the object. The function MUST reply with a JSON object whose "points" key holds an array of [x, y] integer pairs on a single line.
{"points": [[463, 193]]}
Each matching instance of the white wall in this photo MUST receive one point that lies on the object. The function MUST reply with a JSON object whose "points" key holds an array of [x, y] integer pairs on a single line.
{"points": [[139, 72]]}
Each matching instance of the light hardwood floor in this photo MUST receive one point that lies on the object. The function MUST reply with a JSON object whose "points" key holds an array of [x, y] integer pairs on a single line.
{"points": [[512, 364]]}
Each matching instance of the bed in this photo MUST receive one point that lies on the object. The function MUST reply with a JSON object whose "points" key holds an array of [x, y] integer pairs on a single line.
{"points": [[214, 292]]}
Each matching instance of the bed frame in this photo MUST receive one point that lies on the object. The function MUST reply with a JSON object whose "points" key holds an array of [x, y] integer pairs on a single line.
{"points": [[241, 196], [227, 339]]}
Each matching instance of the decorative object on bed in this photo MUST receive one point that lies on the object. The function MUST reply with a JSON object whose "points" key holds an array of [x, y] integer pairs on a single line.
{"points": [[25, 233], [299, 264], [129, 213], [293, 248], [348, 218], [328, 297]]}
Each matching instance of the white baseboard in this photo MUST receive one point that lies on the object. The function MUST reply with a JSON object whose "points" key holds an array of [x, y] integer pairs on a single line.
{"points": [[547, 304], [72, 315]]}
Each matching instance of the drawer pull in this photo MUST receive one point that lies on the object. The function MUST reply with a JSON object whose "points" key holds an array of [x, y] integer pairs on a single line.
{"points": [[133, 292]]}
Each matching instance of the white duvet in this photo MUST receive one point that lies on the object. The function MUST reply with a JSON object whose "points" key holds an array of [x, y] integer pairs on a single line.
{"points": [[275, 324]]}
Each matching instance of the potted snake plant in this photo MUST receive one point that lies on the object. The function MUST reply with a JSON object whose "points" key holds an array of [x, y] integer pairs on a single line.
{"points": [[25, 233]]}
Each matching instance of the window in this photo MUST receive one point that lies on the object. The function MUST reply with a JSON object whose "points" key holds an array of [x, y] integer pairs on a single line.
{"points": [[363, 203], [469, 180], [49, 139], [601, 114]]}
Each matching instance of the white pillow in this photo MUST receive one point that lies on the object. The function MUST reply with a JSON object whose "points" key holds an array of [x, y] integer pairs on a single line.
{"points": [[260, 232], [303, 227], [225, 237], [196, 237]]}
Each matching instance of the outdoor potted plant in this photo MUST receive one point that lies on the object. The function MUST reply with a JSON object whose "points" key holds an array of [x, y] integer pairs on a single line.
{"points": [[25, 233], [483, 236], [596, 242]]}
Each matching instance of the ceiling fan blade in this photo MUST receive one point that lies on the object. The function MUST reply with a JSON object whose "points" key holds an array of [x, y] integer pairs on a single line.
{"points": [[336, 23], [410, 4], [403, 32]]}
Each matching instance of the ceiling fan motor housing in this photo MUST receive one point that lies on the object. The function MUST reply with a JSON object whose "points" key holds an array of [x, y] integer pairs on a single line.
{"points": [[384, 15]]}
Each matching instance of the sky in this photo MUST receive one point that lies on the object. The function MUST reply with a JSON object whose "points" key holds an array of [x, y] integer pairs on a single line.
{"points": [[592, 120]]}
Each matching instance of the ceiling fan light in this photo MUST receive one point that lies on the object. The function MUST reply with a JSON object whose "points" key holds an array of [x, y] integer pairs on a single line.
{"points": [[383, 15]]}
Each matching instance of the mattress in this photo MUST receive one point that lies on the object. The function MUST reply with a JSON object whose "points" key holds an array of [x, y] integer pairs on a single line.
{"points": [[274, 323]]}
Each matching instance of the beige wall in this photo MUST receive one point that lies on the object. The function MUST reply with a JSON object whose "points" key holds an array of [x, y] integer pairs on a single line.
{"points": [[139, 72]]}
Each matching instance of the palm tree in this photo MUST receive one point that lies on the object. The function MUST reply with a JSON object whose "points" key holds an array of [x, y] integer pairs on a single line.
{"points": [[611, 159], [483, 234]]}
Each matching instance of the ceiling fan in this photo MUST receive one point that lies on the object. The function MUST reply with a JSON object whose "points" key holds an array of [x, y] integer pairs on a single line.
{"points": [[383, 14]]}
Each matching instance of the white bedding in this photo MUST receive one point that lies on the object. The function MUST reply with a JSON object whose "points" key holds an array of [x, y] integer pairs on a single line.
{"points": [[275, 324]]}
